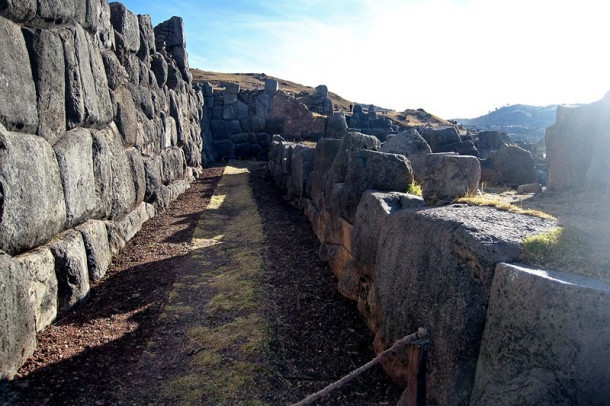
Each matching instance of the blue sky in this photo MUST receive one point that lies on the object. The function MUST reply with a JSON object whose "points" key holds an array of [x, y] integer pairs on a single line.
{"points": [[454, 58]]}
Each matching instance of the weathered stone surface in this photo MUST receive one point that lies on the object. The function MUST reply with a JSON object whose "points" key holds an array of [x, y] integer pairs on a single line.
{"points": [[450, 176], [40, 266], [336, 126], [440, 139], [70, 256], [95, 238], [126, 117], [545, 338], [489, 140], [326, 151], [47, 57], [125, 23], [17, 323], [350, 144], [115, 72], [434, 269], [515, 165], [374, 170], [577, 147], [170, 34], [100, 83], [97, 21], [16, 113], [74, 153], [302, 164], [174, 165], [82, 104], [138, 173], [56, 11], [121, 231], [147, 37], [160, 68], [18, 10], [32, 206], [271, 86], [412, 145], [529, 188]]}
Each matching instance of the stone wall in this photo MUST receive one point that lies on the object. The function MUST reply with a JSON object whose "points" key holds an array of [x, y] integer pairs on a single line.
{"points": [[240, 123], [410, 265], [578, 146], [99, 129]]}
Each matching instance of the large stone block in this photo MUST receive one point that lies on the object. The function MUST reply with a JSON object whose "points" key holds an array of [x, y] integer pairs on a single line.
{"points": [[326, 151], [450, 176], [123, 230], [514, 165], [138, 173], [159, 68], [47, 57], [70, 256], [17, 323], [126, 116], [32, 206], [434, 269], [56, 11], [147, 37], [116, 74], [126, 24], [412, 145], [97, 21], [440, 139], [95, 238], [18, 10], [17, 91], [374, 170], [174, 165], [86, 101], [40, 265], [302, 171], [545, 341], [74, 153], [114, 185]]}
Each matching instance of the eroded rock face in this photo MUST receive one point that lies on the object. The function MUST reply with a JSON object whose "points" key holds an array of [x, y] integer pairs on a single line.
{"points": [[32, 206], [17, 322], [562, 318], [450, 176], [578, 145], [434, 269]]}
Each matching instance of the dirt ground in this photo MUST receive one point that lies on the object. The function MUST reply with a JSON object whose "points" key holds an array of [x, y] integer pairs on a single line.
{"points": [[94, 354]]}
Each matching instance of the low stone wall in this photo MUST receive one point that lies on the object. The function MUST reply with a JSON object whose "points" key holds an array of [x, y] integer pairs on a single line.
{"points": [[239, 123], [99, 129], [494, 328]]}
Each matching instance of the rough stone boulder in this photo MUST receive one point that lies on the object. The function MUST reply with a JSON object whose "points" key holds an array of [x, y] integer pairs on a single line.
{"points": [[450, 176], [441, 139], [32, 207], [95, 238], [75, 157], [17, 323], [40, 266], [326, 151], [357, 282], [412, 145], [514, 165], [70, 256], [126, 27], [336, 126], [545, 340], [16, 113], [377, 171], [434, 269], [301, 169], [489, 140], [578, 145]]}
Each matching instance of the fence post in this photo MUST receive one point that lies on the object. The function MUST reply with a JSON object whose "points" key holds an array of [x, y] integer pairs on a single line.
{"points": [[415, 393]]}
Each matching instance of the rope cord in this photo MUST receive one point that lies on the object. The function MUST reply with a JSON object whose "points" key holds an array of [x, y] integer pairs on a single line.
{"points": [[421, 333]]}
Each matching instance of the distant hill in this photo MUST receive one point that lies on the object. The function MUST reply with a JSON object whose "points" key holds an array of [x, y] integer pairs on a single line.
{"points": [[520, 115], [250, 81]]}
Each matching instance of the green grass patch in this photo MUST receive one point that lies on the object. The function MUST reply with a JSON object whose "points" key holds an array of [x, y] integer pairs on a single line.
{"points": [[568, 249], [415, 189], [504, 206]]}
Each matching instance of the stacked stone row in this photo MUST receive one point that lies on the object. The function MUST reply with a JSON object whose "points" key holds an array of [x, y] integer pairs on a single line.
{"points": [[98, 131]]}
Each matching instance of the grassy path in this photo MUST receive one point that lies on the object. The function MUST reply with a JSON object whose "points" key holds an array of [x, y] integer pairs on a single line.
{"points": [[212, 343]]}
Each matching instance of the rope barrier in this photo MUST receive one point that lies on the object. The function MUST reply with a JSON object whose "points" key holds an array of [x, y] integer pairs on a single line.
{"points": [[421, 333]]}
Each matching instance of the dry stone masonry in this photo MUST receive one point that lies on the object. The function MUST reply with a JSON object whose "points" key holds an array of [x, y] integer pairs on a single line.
{"points": [[99, 128], [408, 264]]}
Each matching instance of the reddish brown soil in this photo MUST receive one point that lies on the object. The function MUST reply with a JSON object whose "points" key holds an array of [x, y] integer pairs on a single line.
{"points": [[318, 336]]}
